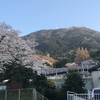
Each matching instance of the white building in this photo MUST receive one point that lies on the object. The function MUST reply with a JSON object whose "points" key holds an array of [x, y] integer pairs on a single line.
{"points": [[95, 73]]}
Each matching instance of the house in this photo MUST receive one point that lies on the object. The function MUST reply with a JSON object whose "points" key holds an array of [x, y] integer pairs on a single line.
{"points": [[95, 74]]}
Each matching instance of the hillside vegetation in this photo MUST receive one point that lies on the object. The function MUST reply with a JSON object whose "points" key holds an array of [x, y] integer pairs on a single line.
{"points": [[65, 41]]}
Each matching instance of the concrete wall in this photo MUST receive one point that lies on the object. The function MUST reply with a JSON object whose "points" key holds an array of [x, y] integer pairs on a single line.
{"points": [[96, 78]]}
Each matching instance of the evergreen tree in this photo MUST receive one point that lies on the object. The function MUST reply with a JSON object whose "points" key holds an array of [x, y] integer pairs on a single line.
{"points": [[78, 55], [15, 71], [87, 53], [73, 82], [81, 55]]}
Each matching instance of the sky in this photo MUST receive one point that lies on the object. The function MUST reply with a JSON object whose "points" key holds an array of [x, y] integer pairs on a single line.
{"points": [[34, 15]]}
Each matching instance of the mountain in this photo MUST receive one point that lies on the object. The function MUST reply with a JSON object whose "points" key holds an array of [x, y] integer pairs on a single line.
{"points": [[63, 42]]}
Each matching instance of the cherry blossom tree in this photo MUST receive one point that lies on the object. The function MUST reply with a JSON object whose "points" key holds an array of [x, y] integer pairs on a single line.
{"points": [[12, 47]]}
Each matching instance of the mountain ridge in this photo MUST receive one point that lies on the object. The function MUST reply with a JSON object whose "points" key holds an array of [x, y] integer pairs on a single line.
{"points": [[62, 41]]}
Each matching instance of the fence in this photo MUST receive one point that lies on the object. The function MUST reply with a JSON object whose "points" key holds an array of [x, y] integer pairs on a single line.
{"points": [[21, 94], [50, 71], [88, 96], [78, 97], [75, 96]]}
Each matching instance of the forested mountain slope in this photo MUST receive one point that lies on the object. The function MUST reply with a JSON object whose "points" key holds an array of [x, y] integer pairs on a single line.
{"points": [[64, 42]]}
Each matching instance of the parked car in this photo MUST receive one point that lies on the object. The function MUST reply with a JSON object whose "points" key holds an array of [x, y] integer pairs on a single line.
{"points": [[95, 94]]}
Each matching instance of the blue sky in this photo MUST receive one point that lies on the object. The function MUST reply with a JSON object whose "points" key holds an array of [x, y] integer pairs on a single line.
{"points": [[33, 15]]}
